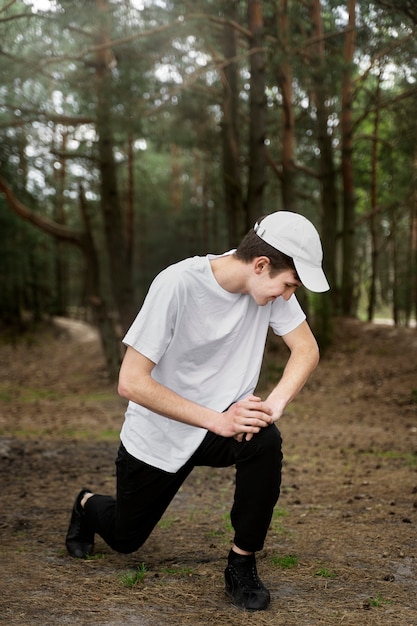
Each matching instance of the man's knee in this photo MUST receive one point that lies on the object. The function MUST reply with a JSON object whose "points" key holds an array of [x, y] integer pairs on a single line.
{"points": [[270, 439], [127, 546], [264, 447]]}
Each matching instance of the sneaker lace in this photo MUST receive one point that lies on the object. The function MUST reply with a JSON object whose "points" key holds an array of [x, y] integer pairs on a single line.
{"points": [[248, 578]]}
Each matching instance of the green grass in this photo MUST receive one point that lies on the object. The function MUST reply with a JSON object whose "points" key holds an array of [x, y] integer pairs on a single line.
{"points": [[323, 572], [131, 579], [410, 458], [285, 562], [227, 523], [181, 571], [97, 556], [28, 394], [6, 394], [167, 522], [379, 601], [68, 433], [277, 517]]}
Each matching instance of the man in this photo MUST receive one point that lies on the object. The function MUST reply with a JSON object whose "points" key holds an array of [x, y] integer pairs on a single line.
{"points": [[190, 370]]}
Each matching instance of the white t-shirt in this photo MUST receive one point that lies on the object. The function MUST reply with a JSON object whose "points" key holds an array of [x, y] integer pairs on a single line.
{"points": [[207, 344]]}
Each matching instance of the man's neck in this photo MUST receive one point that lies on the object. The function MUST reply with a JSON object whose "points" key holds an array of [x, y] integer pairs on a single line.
{"points": [[230, 273]]}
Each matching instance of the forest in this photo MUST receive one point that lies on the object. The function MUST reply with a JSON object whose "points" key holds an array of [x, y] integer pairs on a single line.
{"points": [[135, 133]]}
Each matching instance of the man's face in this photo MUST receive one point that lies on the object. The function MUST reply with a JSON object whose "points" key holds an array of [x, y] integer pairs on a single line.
{"points": [[265, 288]]}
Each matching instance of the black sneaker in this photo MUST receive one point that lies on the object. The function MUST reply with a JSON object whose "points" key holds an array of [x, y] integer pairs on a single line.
{"points": [[79, 540], [243, 585]]}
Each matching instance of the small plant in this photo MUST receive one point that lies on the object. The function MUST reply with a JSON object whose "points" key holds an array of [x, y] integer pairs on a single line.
{"points": [[325, 573], [167, 522], [278, 515], [131, 579], [95, 557], [227, 522], [285, 562], [379, 601], [178, 570]]}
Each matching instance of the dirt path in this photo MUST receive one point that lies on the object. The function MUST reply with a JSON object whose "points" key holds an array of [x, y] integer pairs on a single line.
{"points": [[342, 546]]}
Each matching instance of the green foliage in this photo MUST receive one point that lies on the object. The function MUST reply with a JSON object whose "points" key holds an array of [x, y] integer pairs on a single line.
{"points": [[285, 562], [165, 89], [167, 522], [180, 571], [133, 578], [324, 572], [379, 601]]}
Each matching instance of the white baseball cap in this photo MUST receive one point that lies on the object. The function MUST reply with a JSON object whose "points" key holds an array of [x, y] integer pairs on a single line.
{"points": [[295, 236]]}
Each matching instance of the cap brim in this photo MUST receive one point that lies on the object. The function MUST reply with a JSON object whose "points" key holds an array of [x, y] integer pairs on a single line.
{"points": [[312, 277]]}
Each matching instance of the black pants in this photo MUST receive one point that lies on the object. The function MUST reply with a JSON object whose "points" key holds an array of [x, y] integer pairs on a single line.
{"points": [[144, 492]]}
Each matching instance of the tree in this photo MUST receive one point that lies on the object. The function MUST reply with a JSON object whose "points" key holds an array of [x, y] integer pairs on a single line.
{"points": [[257, 113], [150, 131], [348, 304], [232, 175], [285, 78]]}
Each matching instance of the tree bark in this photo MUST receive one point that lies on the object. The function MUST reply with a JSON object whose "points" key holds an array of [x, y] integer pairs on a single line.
{"points": [[236, 223], [99, 308], [285, 79], [413, 237], [327, 174], [114, 228], [348, 300], [373, 213], [257, 114]]}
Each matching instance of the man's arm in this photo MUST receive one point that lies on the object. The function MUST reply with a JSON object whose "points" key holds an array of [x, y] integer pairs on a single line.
{"points": [[304, 357], [137, 384]]}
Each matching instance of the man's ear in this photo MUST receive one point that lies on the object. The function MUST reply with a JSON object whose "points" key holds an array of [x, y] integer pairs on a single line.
{"points": [[261, 264]]}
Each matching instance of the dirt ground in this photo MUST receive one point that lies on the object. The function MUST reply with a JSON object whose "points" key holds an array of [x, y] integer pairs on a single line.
{"points": [[342, 548]]}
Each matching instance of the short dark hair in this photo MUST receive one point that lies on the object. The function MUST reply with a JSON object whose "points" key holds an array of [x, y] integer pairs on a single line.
{"points": [[253, 246]]}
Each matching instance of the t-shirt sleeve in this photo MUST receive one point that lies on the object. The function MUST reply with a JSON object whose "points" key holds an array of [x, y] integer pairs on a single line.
{"points": [[286, 315], [152, 330]]}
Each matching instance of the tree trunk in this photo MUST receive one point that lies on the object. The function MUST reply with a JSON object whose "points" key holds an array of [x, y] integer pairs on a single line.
{"points": [[327, 175], [285, 80], [394, 256], [99, 308], [413, 256], [130, 201], [233, 193], [348, 300], [257, 114], [61, 266], [117, 250], [373, 212]]}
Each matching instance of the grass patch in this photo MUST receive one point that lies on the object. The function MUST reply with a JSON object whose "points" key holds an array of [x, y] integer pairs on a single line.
{"points": [[410, 458], [379, 601], [167, 522], [285, 562], [227, 523], [131, 579], [277, 517], [97, 556], [181, 571], [6, 394], [222, 534], [323, 572], [28, 395], [67, 433]]}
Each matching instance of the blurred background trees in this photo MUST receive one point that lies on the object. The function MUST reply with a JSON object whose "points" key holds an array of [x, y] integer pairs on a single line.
{"points": [[135, 133]]}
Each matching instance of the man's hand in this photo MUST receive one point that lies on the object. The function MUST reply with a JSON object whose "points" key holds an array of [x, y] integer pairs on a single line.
{"points": [[245, 418]]}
